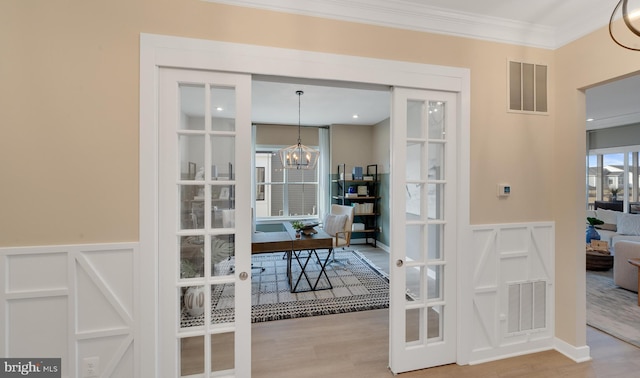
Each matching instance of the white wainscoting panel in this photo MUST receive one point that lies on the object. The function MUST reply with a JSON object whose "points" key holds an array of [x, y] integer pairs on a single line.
{"points": [[70, 302], [521, 257]]}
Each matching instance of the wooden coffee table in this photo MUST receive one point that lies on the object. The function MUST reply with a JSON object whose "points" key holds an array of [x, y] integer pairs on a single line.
{"points": [[599, 261], [636, 263]]}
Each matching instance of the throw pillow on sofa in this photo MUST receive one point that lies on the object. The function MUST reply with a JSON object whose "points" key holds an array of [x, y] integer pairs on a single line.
{"points": [[628, 224]]}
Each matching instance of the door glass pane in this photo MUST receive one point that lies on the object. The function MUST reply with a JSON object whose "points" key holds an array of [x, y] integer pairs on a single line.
{"points": [[435, 201], [414, 325], [191, 355], [222, 303], [222, 157], [222, 253], [222, 351], [437, 120], [223, 109], [436, 161], [435, 320], [414, 161], [191, 256], [223, 206], [436, 241], [413, 203], [192, 102], [415, 284], [192, 305], [434, 279], [191, 207], [415, 120], [415, 242], [191, 150]]}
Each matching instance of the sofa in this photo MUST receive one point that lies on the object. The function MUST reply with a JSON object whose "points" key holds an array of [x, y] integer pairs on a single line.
{"points": [[622, 232]]}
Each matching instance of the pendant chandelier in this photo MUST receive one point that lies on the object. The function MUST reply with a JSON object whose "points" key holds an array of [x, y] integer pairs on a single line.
{"points": [[299, 156], [627, 21]]}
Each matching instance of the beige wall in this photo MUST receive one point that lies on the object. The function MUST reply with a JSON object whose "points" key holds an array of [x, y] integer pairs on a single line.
{"points": [[69, 115], [283, 135], [70, 98], [351, 145]]}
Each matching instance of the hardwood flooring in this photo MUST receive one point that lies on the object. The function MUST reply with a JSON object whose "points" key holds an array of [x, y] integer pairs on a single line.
{"points": [[356, 345]]}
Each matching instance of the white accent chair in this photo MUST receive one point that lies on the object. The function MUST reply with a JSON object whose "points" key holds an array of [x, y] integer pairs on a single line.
{"points": [[338, 225]]}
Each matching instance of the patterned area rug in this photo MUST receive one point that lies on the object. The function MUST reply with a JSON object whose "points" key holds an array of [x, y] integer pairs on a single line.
{"points": [[358, 285], [611, 309]]}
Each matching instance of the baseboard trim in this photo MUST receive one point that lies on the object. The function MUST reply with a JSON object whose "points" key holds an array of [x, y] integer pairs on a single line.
{"points": [[578, 354]]}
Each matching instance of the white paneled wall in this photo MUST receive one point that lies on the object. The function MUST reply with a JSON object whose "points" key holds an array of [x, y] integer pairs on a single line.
{"points": [[519, 257], [70, 302]]}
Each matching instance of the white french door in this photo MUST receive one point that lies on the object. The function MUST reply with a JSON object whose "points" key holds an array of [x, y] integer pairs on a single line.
{"points": [[422, 303], [204, 223]]}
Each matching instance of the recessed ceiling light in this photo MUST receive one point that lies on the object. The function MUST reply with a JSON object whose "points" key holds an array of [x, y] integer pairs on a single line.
{"points": [[589, 119], [219, 108], [355, 116]]}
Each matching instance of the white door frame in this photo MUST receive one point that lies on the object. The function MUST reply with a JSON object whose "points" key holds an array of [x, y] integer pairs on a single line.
{"points": [[167, 51]]}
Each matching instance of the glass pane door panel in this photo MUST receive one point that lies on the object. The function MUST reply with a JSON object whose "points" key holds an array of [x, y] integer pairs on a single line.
{"points": [[415, 242], [223, 109], [222, 157], [222, 303], [191, 150], [413, 201], [437, 120], [192, 103], [222, 253], [191, 355], [435, 318], [436, 162], [414, 284], [413, 161], [435, 244], [415, 119], [222, 351], [435, 201], [223, 206], [191, 207], [434, 281], [414, 328], [191, 256], [193, 301]]}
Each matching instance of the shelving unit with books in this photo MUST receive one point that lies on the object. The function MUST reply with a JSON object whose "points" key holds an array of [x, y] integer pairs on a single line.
{"points": [[363, 194]]}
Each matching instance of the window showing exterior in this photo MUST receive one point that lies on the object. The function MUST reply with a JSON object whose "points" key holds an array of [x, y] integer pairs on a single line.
{"points": [[613, 176], [283, 192]]}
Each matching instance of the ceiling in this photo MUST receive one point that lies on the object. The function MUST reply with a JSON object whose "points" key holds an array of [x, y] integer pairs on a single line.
{"points": [[540, 23]]}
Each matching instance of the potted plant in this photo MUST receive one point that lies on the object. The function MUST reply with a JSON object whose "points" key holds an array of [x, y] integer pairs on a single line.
{"points": [[592, 233], [614, 192], [298, 226]]}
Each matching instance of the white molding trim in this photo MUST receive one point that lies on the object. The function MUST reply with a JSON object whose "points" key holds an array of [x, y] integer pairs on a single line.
{"points": [[412, 15], [166, 51], [578, 354]]}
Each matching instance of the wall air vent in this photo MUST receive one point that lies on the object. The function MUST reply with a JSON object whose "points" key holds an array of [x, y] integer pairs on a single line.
{"points": [[527, 306], [527, 87]]}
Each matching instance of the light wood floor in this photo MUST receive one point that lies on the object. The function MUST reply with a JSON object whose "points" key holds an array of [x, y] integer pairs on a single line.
{"points": [[356, 345]]}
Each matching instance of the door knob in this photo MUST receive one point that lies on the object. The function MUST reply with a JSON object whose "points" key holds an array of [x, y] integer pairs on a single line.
{"points": [[399, 263], [244, 275]]}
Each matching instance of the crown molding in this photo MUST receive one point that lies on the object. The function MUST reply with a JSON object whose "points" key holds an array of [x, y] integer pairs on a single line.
{"points": [[414, 16]]}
